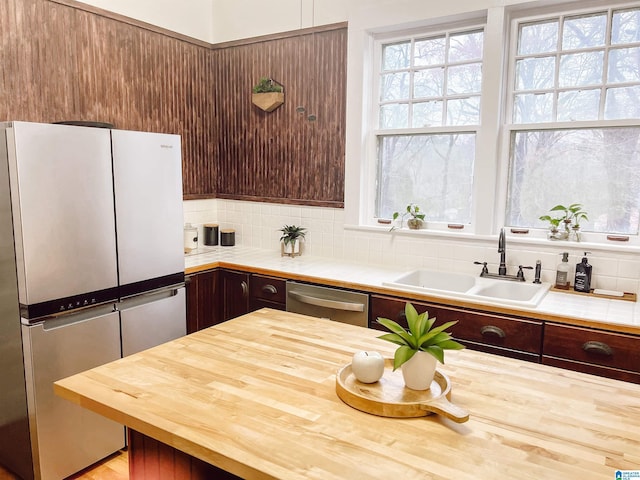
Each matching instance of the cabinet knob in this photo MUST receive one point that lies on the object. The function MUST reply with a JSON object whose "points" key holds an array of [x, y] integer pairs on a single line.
{"points": [[493, 330], [270, 289], [597, 347]]}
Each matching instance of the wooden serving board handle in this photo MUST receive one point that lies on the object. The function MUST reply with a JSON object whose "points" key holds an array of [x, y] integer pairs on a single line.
{"points": [[442, 406]]}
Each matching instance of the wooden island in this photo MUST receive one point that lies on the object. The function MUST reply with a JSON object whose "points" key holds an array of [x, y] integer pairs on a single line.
{"points": [[255, 396]]}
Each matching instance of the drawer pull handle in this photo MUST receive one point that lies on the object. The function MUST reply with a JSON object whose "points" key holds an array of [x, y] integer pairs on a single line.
{"points": [[269, 289], [245, 289], [597, 347], [493, 330]]}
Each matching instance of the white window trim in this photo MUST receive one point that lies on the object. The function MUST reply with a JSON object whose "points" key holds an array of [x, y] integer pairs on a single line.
{"points": [[490, 172]]}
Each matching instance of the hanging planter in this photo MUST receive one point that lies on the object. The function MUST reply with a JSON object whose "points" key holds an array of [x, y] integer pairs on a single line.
{"points": [[267, 95]]}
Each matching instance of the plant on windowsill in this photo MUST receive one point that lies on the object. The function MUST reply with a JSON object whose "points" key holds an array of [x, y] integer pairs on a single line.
{"points": [[570, 221], [291, 239], [416, 219], [267, 95], [420, 347]]}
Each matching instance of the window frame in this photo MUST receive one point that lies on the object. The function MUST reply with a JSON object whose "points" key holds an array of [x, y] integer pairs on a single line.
{"points": [[515, 19], [491, 170], [374, 132]]}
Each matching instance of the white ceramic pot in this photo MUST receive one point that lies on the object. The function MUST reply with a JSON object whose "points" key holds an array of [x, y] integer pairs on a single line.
{"points": [[292, 248], [419, 371]]}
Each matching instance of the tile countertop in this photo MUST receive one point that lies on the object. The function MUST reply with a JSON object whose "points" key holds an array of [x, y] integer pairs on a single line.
{"points": [[613, 314]]}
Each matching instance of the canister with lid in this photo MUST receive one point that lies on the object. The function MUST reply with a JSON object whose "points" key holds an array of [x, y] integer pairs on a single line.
{"points": [[190, 237]]}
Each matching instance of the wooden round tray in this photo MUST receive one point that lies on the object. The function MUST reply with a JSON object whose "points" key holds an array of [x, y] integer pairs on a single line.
{"points": [[388, 397]]}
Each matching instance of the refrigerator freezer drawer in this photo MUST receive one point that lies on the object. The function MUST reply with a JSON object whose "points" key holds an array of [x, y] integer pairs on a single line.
{"points": [[66, 437], [151, 319]]}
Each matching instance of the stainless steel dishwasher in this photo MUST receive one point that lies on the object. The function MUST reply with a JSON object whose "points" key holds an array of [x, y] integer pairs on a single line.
{"points": [[335, 304]]}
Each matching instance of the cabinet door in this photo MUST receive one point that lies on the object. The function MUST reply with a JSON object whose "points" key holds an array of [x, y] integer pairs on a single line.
{"points": [[609, 354], [235, 293], [512, 337], [268, 292], [204, 305]]}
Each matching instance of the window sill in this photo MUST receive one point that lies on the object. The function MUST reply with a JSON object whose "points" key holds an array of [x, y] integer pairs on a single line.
{"points": [[512, 239]]}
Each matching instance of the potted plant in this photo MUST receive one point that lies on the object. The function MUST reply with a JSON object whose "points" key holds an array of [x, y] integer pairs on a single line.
{"points": [[290, 239], [554, 223], [572, 216], [267, 94], [416, 219], [420, 347]]}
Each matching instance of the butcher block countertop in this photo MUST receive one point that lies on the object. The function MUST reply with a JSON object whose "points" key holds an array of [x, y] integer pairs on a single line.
{"points": [[256, 396]]}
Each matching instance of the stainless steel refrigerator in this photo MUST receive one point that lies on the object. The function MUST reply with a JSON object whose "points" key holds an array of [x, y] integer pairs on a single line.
{"points": [[91, 269]]}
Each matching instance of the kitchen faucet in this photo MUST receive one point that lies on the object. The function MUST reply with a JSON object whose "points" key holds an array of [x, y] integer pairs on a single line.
{"points": [[502, 268], [502, 250]]}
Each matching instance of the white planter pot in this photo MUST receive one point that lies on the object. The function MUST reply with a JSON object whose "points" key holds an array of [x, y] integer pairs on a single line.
{"points": [[419, 371], [292, 248]]}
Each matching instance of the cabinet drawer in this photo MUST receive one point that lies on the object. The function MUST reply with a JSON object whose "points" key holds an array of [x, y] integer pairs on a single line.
{"points": [[477, 327], [268, 288], [615, 350]]}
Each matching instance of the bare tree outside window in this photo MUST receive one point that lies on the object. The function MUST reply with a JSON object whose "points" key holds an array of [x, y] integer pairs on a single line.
{"points": [[575, 132], [430, 89]]}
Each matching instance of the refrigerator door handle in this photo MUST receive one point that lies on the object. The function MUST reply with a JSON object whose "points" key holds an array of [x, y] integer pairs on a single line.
{"points": [[148, 297], [71, 318]]}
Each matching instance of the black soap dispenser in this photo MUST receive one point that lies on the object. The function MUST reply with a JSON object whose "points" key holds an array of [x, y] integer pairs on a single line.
{"points": [[583, 276]]}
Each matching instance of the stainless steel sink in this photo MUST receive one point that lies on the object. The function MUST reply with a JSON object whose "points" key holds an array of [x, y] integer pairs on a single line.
{"points": [[469, 287]]}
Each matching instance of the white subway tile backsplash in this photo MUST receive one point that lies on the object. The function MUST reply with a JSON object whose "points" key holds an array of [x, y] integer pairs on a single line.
{"points": [[258, 224]]}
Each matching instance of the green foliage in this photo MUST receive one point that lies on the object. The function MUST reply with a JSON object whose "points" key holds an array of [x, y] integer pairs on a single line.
{"points": [[290, 233], [571, 214], [266, 85], [421, 336], [412, 210]]}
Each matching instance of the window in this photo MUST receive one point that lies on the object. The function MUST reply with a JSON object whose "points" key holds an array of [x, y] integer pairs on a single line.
{"points": [[575, 119], [494, 116], [428, 113]]}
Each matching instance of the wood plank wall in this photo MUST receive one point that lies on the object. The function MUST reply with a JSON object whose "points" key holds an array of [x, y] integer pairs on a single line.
{"points": [[65, 63], [283, 155], [63, 60]]}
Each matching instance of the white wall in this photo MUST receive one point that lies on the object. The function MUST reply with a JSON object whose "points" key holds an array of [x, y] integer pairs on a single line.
{"points": [[188, 17], [217, 21], [233, 20]]}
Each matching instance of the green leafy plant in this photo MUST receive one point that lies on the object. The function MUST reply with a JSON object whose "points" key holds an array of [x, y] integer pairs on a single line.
{"points": [[412, 211], [554, 222], [421, 336], [291, 233], [266, 85], [572, 214]]}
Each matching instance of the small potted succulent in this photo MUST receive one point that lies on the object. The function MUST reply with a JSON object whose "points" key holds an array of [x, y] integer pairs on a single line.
{"points": [[416, 218], [420, 347], [267, 94], [290, 239]]}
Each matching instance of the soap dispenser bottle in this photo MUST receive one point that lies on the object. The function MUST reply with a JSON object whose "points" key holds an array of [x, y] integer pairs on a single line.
{"points": [[583, 276], [562, 272]]}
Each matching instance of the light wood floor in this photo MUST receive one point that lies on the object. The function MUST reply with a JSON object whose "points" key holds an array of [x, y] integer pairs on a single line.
{"points": [[114, 467]]}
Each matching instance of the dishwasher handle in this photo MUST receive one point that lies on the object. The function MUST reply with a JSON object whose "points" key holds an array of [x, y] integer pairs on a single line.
{"points": [[324, 302]]}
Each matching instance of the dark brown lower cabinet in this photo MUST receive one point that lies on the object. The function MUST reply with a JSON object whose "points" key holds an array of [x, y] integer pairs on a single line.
{"points": [[204, 300], [235, 294], [215, 296], [608, 354], [488, 332], [151, 459], [270, 292]]}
